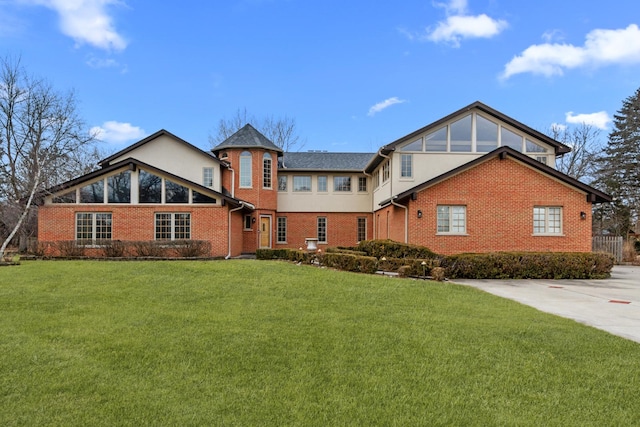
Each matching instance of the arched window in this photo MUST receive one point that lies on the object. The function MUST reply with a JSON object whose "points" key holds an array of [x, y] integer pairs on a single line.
{"points": [[266, 170], [245, 169]]}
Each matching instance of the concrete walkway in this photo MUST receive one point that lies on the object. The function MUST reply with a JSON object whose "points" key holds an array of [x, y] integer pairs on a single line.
{"points": [[612, 305]]}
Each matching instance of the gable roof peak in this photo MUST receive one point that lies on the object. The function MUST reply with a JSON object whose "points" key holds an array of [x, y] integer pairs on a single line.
{"points": [[247, 137]]}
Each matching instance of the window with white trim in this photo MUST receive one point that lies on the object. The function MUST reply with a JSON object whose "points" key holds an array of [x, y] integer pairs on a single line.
{"points": [[322, 184], [342, 183], [406, 166], [245, 170], [386, 171], [301, 183], [322, 229], [547, 220], [266, 170], [361, 229], [362, 184], [281, 235], [247, 222], [173, 226], [282, 182], [207, 177], [92, 226], [452, 219]]}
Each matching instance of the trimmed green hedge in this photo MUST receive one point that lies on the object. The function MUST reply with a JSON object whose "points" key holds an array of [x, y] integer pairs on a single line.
{"points": [[529, 265], [350, 262], [285, 254], [391, 249]]}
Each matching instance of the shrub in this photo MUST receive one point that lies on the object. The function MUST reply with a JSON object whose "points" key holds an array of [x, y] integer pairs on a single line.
{"points": [[147, 249], [438, 273], [71, 248], [284, 254], [192, 248], [349, 262], [529, 265], [629, 251], [113, 248], [391, 249], [342, 250]]}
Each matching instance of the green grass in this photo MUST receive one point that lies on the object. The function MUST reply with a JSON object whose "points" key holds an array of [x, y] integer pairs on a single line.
{"points": [[269, 343]]}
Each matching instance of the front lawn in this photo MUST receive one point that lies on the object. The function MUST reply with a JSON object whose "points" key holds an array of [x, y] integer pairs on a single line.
{"points": [[271, 343]]}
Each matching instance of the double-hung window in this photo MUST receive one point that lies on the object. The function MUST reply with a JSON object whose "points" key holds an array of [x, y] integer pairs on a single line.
{"points": [[342, 183], [322, 229], [92, 226], [266, 171], [302, 183], [547, 220], [282, 229], [245, 170], [362, 184], [452, 219], [322, 184], [173, 226], [406, 166], [207, 177], [361, 230]]}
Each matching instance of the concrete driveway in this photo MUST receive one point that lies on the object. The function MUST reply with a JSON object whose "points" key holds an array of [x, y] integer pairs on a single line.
{"points": [[612, 305]]}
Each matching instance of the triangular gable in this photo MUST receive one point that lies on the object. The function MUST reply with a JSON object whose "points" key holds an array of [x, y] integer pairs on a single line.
{"points": [[593, 195], [132, 164], [150, 138]]}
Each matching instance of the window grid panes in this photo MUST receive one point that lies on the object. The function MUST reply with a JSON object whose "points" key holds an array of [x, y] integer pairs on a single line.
{"points": [[322, 184], [322, 229], [341, 183], [385, 171], [207, 177], [406, 163], [282, 230], [266, 171], [452, 219], [173, 226], [362, 184], [84, 226], [245, 169], [282, 183], [362, 229], [547, 220], [302, 183], [93, 226]]}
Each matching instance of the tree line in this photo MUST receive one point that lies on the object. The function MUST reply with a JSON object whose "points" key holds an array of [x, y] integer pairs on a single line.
{"points": [[44, 142]]}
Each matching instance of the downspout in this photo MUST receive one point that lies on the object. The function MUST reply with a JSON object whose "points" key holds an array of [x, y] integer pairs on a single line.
{"points": [[229, 227], [393, 202], [233, 180], [373, 214]]}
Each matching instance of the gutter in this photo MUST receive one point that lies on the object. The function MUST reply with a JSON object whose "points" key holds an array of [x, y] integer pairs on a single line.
{"points": [[392, 200]]}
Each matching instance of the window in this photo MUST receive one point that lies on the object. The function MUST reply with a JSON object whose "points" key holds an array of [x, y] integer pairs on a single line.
{"points": [[93, 226], [413, 146], [247, 222], [406, 163], [302, 183], [437, 141], [376, 179], [385, 171], [322, 184], [452, 219], [173, 226], [547, 220], [119, 188], [341, 183], [362, 184], [245, 169], [510, 139], [282, 229], [461, 135], [69, 197], [149, 187], [266, 170], [486, 135], [542, 159], [322, 229], [282, 183], [92, 193], [361, 230], [197, 197], [207, 177], [532, 147], [175, 193]]}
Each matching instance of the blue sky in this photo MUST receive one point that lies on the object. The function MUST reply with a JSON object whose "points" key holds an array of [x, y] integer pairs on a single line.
{"points": [[354, 75]]}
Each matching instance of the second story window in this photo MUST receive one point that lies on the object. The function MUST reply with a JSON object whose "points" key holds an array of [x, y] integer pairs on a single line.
{"points": [[207, 177], [362, 184], [245, 169], [406, 163], [385, 171], [302, 183], [322, 184], [341, 183], [282, 182], [266, 171]]}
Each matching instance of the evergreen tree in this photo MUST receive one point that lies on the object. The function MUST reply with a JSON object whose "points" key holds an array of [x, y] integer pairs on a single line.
{"points": [[619, 167]]}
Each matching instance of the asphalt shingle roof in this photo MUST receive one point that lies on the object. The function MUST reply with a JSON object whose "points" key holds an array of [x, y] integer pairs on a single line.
{"points": [[247, 137], [325, 161]]}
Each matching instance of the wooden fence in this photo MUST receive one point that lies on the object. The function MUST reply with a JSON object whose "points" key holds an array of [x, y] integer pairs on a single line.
{"points": [[609, 244]]}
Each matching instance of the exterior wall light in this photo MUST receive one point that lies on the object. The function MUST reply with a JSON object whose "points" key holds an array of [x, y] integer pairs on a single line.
{"points": [[583, 215], [419, 213]]}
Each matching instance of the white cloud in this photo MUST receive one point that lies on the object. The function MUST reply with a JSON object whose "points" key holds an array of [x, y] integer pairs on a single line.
{"points": [[384, 104], [114, 132], [601, 47], [600, 119], [86, 21], [558, 127], [460, 27]]}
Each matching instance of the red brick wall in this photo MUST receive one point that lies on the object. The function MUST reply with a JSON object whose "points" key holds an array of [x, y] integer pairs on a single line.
{"points": [[262, 198], [341, 228], [500, 196], [390, 223], [137, 222]]}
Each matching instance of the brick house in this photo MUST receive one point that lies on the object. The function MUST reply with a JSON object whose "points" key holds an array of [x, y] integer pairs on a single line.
{"points": [[473, 181]]}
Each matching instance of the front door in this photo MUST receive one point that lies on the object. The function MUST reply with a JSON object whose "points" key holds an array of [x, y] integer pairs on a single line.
{"points": [[265, 231]]}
